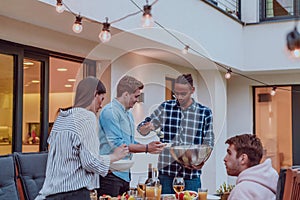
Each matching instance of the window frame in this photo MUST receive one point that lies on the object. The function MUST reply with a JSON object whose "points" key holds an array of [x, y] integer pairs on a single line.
{"points": [[263, 12], [20, 51]]}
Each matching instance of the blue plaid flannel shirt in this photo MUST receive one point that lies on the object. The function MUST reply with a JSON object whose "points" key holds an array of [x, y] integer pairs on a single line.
{"points": [[181, 127]]}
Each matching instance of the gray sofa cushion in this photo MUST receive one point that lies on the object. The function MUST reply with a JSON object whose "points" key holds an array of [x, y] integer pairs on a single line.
{"points": [[32, 171], [8, 186]]}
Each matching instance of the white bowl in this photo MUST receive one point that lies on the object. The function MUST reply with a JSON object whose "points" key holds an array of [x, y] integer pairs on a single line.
{"points": [[121, 165]]}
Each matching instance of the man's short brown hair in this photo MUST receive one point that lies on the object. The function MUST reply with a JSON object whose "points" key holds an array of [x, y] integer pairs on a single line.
{"points": [[247, 144], [128, 84]]}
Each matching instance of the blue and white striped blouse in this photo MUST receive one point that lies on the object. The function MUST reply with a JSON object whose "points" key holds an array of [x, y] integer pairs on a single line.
{"points": [[74, 161]]}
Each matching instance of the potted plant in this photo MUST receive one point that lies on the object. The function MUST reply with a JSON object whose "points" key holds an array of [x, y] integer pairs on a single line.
{"points": [[224, 191]]}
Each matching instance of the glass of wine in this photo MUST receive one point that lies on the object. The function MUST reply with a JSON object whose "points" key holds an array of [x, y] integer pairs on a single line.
{"points": [[178, 185]]}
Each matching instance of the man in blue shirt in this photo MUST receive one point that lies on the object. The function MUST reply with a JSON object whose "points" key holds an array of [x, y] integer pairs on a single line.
{"points": [[183, 122], [117, 128]]}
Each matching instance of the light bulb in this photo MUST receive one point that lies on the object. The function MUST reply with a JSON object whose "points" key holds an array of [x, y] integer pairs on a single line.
{"points": [[293, 42], [77, 26], [147, 20], [273, 91], [105, 33], [296, 53], [228, 75], [185, 50], [60, 8], [105, 36]]}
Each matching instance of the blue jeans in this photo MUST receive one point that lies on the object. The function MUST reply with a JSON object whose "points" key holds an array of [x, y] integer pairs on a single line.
{"points": [[167, 181]]}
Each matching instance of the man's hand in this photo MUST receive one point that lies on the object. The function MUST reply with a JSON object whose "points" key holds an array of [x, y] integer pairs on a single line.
{"points": [[156, 147], [146, 128], [197, 167]]}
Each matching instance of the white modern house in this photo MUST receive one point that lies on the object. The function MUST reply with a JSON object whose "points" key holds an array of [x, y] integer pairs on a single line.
{"points": [[246, 37]]}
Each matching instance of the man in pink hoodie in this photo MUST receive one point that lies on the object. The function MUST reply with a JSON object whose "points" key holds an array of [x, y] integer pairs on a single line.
{"points": [[255, 180]]}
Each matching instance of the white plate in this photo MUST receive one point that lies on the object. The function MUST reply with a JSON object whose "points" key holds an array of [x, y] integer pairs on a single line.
{"points": [[212, 197], [121, 165]]}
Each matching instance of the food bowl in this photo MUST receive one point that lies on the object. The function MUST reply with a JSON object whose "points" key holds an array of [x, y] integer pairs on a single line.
{"points": [[191, 155], [187, 195]]}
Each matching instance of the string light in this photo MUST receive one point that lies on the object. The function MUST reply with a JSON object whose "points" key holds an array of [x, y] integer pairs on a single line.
{"points": [[77, 26], [296, 53], [228, 73], [60, 8], [293, 38], [293, 42], [147, 20], [105, 33], [273, 91], [185, 50]]}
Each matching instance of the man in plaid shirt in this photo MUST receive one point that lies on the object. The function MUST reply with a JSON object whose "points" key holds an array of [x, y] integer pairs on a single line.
{"points": [[183, 122]]}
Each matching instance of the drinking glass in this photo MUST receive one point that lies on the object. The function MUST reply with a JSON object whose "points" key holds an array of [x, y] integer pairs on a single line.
{"points": [[178, 185], [93, 195], [202, 193]]}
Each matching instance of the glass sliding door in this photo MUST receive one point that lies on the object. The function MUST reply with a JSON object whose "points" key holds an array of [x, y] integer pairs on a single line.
{"points": [[273, 124], [31, 105], [64, 76], [6, 102]]}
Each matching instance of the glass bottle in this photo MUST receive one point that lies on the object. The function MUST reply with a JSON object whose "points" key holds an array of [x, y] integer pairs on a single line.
{"points": [[153, 187], [149, 179]]}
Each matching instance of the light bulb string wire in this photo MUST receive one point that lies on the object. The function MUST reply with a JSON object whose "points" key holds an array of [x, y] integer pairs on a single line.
{"points": [[227, 68], [112, 22], [217, 63], [181, 42]]}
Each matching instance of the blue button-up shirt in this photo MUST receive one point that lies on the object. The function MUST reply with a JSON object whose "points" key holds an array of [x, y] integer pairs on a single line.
{"points": [[116, 128]]}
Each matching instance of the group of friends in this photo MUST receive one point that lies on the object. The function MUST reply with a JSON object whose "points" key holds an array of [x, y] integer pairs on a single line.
{"points": [[82, 146]]}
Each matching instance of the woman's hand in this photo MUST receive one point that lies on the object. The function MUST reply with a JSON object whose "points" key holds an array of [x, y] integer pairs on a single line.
{"points": [[119, 153]]}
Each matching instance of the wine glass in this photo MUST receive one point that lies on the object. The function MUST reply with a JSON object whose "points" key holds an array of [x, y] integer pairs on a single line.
{"points": [[178, 185]]}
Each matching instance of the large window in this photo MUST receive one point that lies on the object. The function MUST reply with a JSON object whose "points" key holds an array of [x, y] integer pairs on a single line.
{"points": [[230, 7], [64, 75], [273, 124], [277, 123], [276, 9], [31, 105], [34, 84], [6, 105]]}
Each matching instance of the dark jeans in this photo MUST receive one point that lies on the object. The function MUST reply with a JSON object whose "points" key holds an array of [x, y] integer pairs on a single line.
{"points": [[167, 184], [81, 194], [112, 185]]}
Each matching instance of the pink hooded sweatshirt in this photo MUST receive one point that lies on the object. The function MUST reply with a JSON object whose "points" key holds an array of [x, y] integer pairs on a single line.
{"points": [[256, 183]]}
